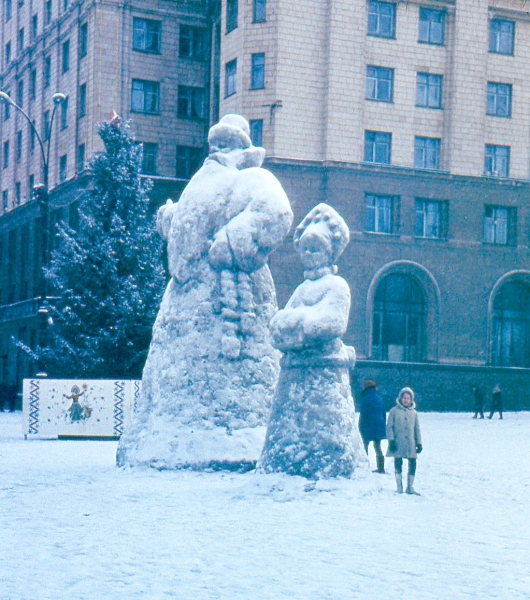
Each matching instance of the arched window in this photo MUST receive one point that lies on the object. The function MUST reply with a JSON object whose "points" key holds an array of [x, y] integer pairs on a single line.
{"points": [[511, 326], [398, 320]]}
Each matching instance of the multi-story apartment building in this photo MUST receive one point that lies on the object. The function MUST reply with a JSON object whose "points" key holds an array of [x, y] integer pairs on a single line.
{"points": [[147, 60], [412, 119]]}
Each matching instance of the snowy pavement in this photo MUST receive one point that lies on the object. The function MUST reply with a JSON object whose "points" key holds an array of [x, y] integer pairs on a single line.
{"points": [[74, 526]]}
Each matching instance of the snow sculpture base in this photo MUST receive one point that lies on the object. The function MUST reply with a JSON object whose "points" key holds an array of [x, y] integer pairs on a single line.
{"points": [[199, 408], [312, 430]]}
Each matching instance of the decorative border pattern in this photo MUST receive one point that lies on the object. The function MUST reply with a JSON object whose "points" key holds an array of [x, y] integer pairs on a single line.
{"points": [[119, 398], [34, 407]]}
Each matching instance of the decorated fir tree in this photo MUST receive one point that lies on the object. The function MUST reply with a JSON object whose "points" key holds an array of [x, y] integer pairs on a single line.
{"points": [[107, 274]]}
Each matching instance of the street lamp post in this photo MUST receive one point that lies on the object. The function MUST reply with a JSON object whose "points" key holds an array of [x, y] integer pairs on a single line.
{"points": [[40, 193]]}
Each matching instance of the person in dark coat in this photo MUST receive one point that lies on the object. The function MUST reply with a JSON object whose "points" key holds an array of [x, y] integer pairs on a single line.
{"points": [[496, 402], [372, 422], [479, 402]]}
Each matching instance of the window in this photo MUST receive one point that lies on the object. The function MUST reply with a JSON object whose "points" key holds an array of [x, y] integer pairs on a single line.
{"points": [[34, 27], [432, 24], [256, 132], [379, 83], [190, 103], [80, 162], [65, 4], [7, 108], [426, 153], [191, 42], [382, 19], [18, 197], [231, 77], [497, 161], [33, 84], [64, 113], [8, 8], [63, 163], [31, 131], [147, 35], [82, 100], [83, 40], [428, 219], [5, 199], [377, 147], [502, 34], [379, 210], [188, 161], [46, 125], [511, 326], [496, 225], [8, 53], [47, 75], [66, 56], [257, 76], [145, 96], [429, 90], [398, 320], [499, 103], [231, 15], [31, 185], [6, 154], [149, 154], [18, 146], [21, 39], [48, 12], [260, 11], [20, 93]]}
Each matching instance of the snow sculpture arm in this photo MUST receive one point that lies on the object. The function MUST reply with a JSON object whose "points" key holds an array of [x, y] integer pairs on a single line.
{"points": [[163, 218], [249, 237], [308, 321]]}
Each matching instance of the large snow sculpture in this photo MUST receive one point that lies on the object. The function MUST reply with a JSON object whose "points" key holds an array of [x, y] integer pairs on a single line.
{"points": [[208, 381], [312, 430]]}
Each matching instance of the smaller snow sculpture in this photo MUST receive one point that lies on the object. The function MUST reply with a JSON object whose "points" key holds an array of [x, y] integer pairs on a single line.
{"points": [[312, 430]]}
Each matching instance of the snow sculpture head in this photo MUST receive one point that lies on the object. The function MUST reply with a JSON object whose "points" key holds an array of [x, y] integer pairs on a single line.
{"points": [[230, 143], [321, 237]]}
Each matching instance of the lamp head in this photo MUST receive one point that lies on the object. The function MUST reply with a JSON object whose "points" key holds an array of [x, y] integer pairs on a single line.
{"points": [[58, 98]]}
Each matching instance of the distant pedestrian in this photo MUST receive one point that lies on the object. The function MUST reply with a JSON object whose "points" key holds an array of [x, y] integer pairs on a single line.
{"points": [[479, 402], [372, 421], [496, 402], [404, 438]]}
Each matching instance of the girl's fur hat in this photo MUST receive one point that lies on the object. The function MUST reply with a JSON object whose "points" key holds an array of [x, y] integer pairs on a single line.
{"points": [[404, 391]]}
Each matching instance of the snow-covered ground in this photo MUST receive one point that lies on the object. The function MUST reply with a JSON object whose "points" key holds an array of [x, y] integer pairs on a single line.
{"points": [[74, 526]]}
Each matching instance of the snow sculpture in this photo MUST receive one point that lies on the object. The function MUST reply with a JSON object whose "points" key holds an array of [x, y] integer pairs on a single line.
{"points": [[312, 430], [209, 378]]}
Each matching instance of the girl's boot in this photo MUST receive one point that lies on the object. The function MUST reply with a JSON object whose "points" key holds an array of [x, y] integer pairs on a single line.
{"points": [[410, 482], [399, 482]]}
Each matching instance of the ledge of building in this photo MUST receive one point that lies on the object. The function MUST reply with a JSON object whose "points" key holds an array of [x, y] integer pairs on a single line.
{"points": [[393, 170]]}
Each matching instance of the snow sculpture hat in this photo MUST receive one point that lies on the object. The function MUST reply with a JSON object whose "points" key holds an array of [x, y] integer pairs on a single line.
{"points": [[325, 222], [232, 132]]}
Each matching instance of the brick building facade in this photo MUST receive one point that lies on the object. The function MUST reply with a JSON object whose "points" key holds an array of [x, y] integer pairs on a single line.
{"points": [[412, 120]]}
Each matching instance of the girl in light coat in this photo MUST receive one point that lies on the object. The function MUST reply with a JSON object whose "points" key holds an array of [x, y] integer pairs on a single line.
{"points": [[404, 437]]}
